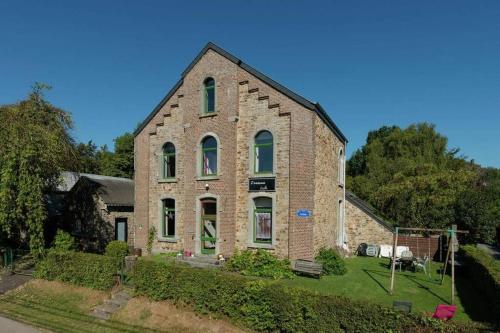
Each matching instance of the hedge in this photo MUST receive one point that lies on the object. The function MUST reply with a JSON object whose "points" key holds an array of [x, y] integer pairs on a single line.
{"points": [[270, 306], [82, 269], [485, 273]]}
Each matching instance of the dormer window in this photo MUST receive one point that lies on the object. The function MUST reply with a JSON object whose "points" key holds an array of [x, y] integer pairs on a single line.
{"points": [[209, 95]]}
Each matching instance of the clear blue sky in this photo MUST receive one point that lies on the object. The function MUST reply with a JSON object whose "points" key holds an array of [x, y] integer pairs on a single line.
{"points": [[369, 63]]}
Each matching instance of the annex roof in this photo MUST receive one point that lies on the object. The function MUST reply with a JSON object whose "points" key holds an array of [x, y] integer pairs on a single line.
{"points": [[365, 207]]}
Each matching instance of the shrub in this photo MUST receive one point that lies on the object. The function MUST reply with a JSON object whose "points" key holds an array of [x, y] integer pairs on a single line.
{"points": [[333, 263], [485, 273], [270, 306], [118, 250], [63, 241], [259, 263], [82, 269]]}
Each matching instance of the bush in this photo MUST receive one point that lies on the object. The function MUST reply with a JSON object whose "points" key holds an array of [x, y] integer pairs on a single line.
{"points": [[82, 269], [118, 250], [259, 263], [485, 273], [63, 241], [151, 239], [270, 306], [333, 263]]}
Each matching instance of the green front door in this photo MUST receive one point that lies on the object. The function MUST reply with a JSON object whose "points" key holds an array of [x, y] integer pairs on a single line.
{"points": [[208, 226]]}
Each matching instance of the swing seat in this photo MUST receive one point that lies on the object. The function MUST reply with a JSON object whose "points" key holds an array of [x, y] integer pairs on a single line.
{"points": [[444, 312]]}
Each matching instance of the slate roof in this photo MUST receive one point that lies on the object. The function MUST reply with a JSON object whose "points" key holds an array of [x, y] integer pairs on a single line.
{"points": [[114, 191], [365, 207], [316, 107]]}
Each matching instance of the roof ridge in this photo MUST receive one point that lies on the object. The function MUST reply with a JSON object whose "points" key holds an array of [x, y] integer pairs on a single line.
{"points": [[316, 107]]}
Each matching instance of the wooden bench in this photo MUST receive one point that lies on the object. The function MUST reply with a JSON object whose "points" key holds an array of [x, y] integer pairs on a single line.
{"points": [[308, 267]]}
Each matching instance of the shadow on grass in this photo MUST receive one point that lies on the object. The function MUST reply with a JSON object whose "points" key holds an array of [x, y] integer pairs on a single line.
{"points": [[473, 302], [411, 277], [43, 309]]}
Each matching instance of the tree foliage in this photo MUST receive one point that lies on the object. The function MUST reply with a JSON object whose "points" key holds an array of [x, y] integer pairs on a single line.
{"points": [[36, 147], [119, 163], [412, 178]]}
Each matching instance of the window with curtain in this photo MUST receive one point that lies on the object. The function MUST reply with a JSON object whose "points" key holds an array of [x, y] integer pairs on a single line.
{"points": [[168, 161], [209, 156], [209, 95], [263, 220], [168, 218], [263, 152]]}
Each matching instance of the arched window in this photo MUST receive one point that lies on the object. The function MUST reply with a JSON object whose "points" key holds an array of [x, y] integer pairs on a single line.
{"points": [[209, 95], [341, 166], [167, 227], [209, 156], [263, 220], [168, 161], [263, 152]]}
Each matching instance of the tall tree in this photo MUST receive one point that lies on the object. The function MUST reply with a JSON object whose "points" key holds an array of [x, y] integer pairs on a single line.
{"points": [[410, 175], [36, 147]]}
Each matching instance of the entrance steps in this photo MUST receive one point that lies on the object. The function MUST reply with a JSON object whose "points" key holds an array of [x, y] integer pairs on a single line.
{"points": [[201, 261]]}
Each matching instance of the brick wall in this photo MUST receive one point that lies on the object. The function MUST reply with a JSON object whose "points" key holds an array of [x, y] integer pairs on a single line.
{"points": [[244, 105]]}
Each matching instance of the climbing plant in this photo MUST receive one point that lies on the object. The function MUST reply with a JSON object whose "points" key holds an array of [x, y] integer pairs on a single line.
{"points": [[36, 146]]}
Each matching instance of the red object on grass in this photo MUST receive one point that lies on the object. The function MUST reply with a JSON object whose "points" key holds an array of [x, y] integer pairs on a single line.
{"points": [[444, 312]]}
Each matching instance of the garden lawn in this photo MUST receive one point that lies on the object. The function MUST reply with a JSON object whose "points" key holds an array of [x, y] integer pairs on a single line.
{"points": [[369, 279]]}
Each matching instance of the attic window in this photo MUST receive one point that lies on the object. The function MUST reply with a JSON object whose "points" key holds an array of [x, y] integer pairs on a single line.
{"points": [[209, 95]]}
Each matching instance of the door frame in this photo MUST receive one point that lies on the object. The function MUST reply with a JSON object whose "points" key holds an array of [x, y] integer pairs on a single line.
{"points": [[121, 220], [198, 242]]}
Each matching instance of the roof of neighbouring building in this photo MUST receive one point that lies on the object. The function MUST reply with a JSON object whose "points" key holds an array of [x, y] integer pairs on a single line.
{"points": [[114, 191], [316, 107], [365, 207]]}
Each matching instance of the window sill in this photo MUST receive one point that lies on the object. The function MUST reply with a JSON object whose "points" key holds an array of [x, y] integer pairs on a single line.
{"points": [[216, 177], [168, 180], [261, 246], [262, 175], [168, 240], [209, 115]]}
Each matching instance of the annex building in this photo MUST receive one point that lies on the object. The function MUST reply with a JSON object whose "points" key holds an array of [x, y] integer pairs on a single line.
{"points": [[230, 159]]}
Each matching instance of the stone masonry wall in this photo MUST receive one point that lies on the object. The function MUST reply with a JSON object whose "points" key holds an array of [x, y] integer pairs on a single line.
{"points": [[328, 191], [362, 228], [254, 116]]}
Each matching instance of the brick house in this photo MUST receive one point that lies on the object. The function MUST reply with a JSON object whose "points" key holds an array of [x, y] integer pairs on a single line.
{"points": [[231, 159]]}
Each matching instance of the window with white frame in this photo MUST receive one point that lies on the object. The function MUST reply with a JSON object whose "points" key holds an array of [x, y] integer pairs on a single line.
{"points": [[341, 167]]}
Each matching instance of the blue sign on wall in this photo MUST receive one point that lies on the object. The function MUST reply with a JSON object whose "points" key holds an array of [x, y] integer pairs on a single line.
{"points": [[303, 213]]}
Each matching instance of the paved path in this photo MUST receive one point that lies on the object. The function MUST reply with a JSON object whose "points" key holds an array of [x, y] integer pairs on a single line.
{"points": [[9, 325], [12, 281]]}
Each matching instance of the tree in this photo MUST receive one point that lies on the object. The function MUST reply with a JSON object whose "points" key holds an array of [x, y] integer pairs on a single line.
{"points": [[87, 156], [36, 147], [410, 175], [119, 163]]}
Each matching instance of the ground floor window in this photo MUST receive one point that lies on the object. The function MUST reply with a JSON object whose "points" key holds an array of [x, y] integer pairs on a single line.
{"points": [[263, 220], [208, 225], [168, 218], [121, 229]]}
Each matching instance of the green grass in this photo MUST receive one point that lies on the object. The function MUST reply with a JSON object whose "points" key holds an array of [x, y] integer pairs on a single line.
{"points": [[369, 279], [59, 311]]}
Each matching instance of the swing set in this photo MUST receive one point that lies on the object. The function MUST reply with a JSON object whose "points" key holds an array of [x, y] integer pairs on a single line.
{"points": [[425, 262]]}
